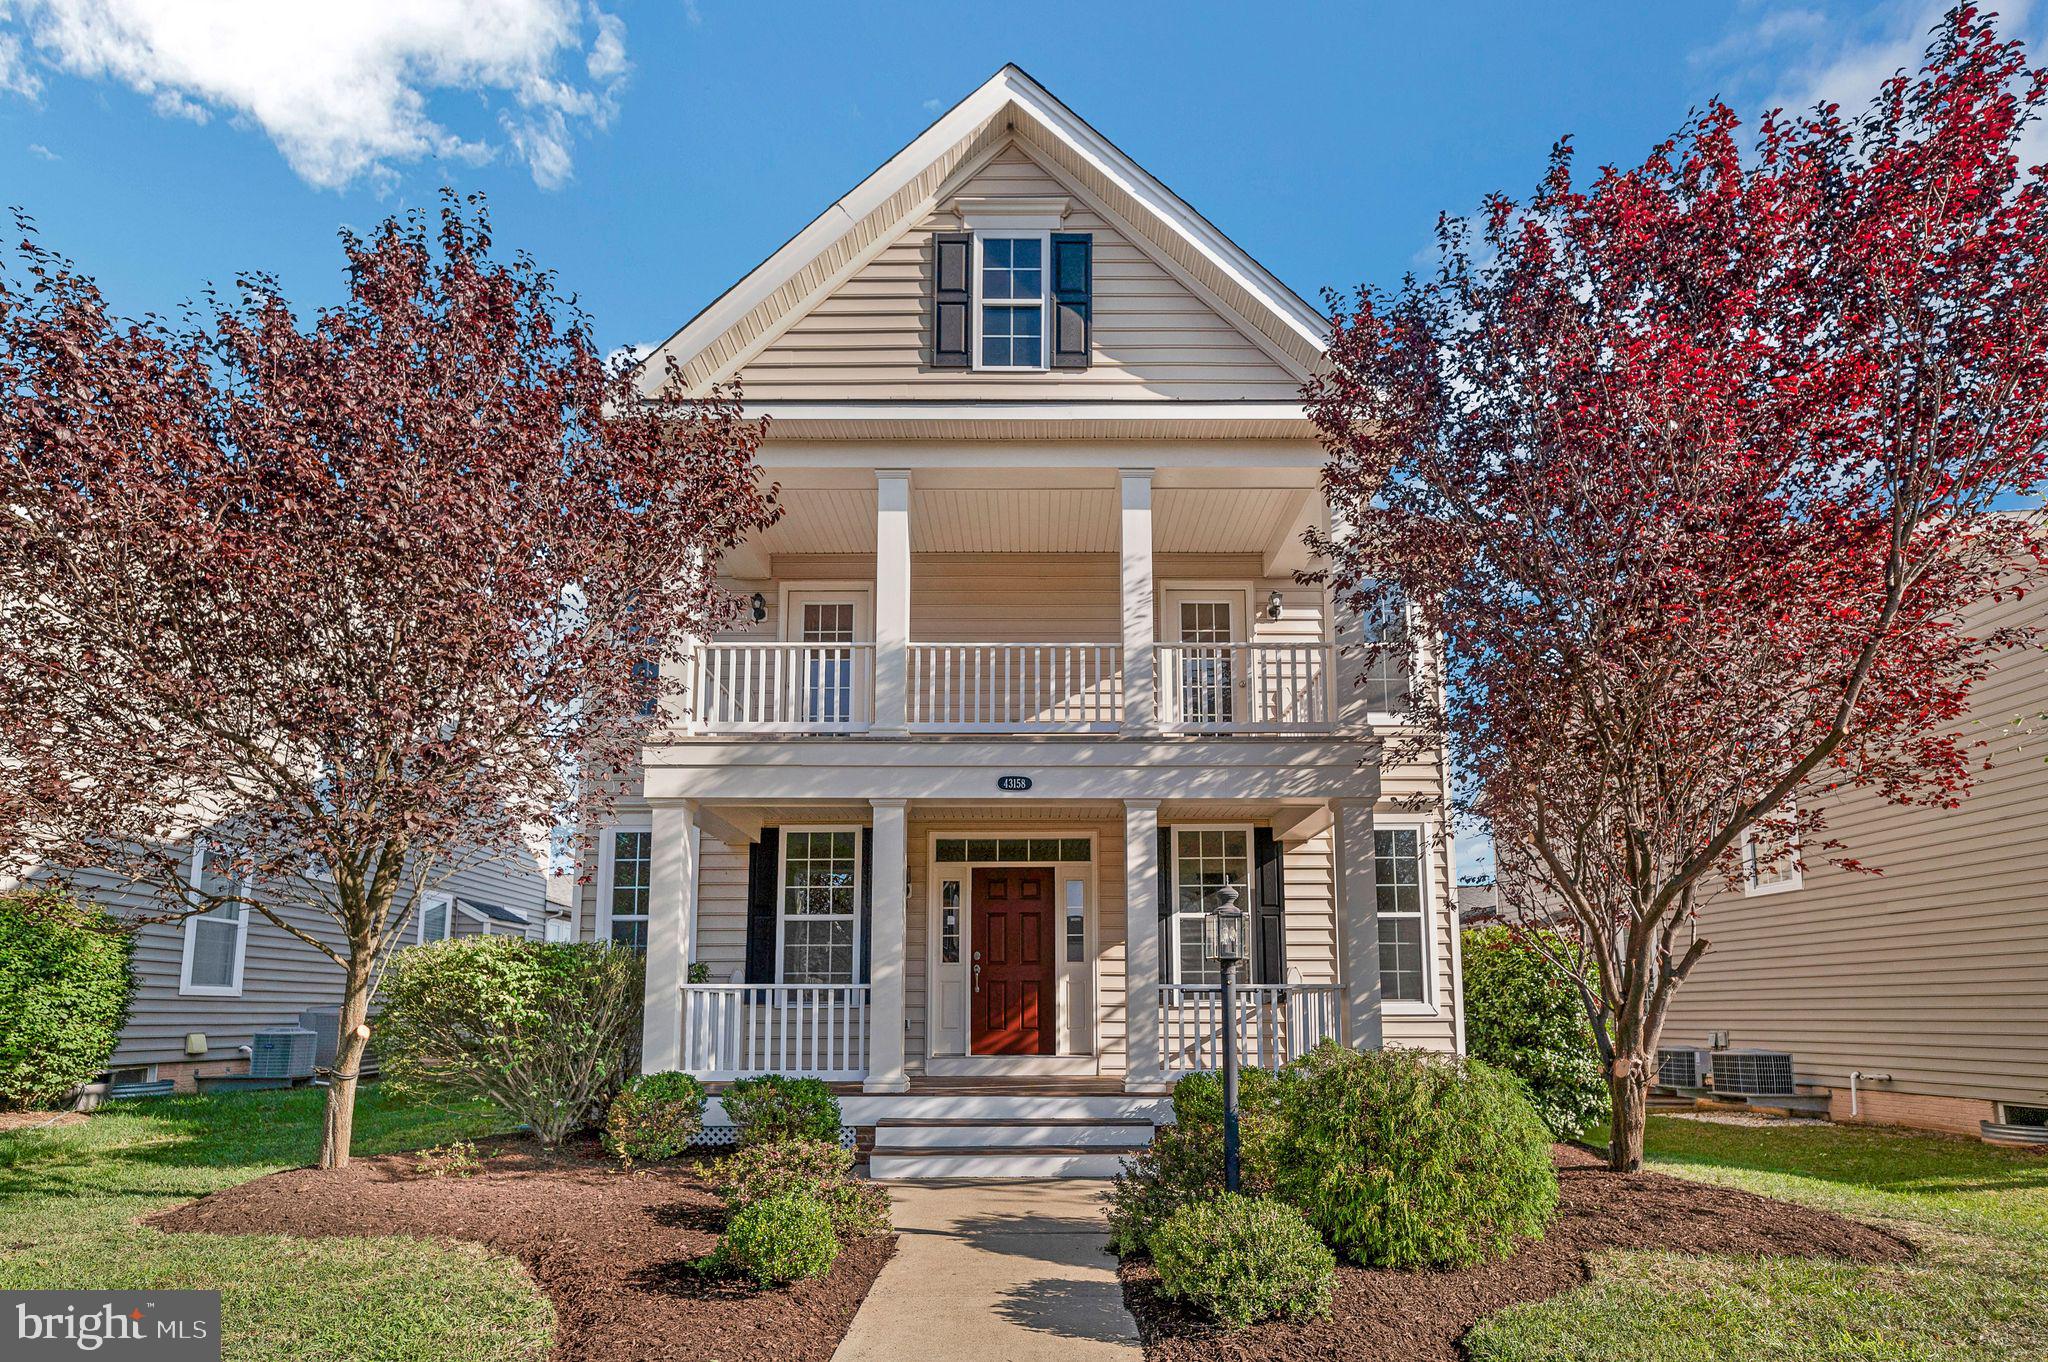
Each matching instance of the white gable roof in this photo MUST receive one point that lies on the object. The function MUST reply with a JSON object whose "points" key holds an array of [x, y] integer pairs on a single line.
{"points": [[719, 341]]}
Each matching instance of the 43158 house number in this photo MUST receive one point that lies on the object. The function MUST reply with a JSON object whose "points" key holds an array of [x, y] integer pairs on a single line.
{"points": [[1013, 782]]}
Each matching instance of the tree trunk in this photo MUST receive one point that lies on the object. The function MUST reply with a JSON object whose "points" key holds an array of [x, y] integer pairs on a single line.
{"points": [[1628, 1090], [348, 1059]]}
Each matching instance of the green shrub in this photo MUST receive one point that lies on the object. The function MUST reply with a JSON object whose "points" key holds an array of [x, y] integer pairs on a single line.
{"points": [[1522, 1016], [654, 1116], [1241, 1260], [773, 1107], [811, 1168], [786, 1238], [1401, 1158], [456, 1159], [1184, 1162], [64, 990], [546, 1031]]}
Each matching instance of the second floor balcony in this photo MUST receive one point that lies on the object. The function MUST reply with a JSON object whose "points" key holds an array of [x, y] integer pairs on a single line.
{"points": [[1097, 603], [772, 686]]}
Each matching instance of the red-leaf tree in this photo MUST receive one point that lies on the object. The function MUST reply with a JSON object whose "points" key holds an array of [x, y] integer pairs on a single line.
{"points": [[353, 599], [1695, 472]]}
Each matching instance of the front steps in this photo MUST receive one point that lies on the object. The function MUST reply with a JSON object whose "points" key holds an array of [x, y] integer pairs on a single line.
{"points": [[915, 1148]]}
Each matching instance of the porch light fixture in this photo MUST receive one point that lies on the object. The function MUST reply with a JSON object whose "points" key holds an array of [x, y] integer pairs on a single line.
{"points": [[1272, 605], [760, 607], [1223, 933]]}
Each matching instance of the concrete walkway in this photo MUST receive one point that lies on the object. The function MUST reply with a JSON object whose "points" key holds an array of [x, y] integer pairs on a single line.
{"points": [[996, 1272]]}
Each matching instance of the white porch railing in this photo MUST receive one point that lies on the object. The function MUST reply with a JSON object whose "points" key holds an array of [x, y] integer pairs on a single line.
{"points": [[769, 687], [1275, 1023], [1016, 687], [1244, 687], [738, 1030]]}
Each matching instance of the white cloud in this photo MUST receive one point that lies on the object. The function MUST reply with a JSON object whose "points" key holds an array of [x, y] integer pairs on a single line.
{"points": [[42, 153], [932, 106], [691, 12], [343, 89]]}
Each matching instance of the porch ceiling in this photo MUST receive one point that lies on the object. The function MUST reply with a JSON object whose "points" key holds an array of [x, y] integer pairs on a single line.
{"points": [[742, 822], [1036, 519]]}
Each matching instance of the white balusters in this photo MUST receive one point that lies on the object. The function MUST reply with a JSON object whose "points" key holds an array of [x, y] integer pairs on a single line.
{"points": [[737, 1030]]}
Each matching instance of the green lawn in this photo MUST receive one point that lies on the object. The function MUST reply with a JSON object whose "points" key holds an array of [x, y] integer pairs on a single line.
{"points": [[1978, 1290], [70, 1196]]}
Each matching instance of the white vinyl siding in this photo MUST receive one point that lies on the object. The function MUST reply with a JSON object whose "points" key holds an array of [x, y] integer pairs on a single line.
{"points": [[1152, 336]]}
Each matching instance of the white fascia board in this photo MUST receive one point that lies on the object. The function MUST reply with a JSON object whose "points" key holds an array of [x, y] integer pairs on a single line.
{"points": [[844, 214], [1126, 409], [1008, 86], [1111, 162]]}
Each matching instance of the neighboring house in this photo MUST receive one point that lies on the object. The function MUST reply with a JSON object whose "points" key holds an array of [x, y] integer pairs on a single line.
{"points": [[205, 985], [1478, 905], [1926, 984], [1029, 675]]}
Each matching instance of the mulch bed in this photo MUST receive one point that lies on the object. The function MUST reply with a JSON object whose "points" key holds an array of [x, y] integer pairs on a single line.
{"points": [[1421, 1316], [615, 1251]]}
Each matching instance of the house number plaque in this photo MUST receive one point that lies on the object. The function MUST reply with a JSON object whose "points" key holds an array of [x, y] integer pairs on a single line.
{"points": [[1013, 782]]}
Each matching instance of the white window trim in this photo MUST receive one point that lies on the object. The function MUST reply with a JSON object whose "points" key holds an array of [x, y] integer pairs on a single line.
{"points": [[1750, 888], [1044, 240], [426, 902], [1251, 870], [1426, 830], [606, 845], [1388, 717], [186, 988], [782, 896]]}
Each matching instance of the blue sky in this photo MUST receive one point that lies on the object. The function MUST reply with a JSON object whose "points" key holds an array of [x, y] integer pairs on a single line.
{"points": [[652, 151]]}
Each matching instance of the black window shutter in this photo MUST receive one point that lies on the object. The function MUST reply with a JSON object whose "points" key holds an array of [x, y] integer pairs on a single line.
{"points": [[952, 297], [763, 866], [867, 900], [1073, 289], [1166, 963], [1268, 909]]}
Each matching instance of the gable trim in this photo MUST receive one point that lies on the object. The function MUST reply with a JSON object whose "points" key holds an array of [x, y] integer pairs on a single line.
{"points": [[1010, 89]]}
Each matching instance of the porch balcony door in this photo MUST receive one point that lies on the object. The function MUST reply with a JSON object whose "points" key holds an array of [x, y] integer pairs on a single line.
{"points": [[1207, 679], [828, 626], [1013, 967]]}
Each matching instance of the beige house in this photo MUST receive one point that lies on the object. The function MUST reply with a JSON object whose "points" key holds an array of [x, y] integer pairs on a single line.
{"points": [[1920, 996], [1029, 678]]}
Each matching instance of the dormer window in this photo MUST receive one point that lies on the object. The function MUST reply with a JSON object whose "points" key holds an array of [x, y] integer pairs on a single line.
{"points": [[1012, 302]]}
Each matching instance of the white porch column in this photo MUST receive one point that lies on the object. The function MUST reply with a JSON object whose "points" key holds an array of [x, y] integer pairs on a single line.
{"points": [[1141, 710], [886, 968], [892, 599], [671, 925], [1141, 945], [1358, 930]]}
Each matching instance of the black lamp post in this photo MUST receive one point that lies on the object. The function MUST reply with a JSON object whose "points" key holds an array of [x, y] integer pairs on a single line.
{"points": [[1227, 947]]}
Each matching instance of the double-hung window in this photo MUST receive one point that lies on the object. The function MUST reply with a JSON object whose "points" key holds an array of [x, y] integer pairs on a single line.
{"points": [[1390, 671], [216, 940], [1766, 873], [437, 918], [820, 910], [632, 858], [1205, 860], [1402, 901], [1010, 307]]}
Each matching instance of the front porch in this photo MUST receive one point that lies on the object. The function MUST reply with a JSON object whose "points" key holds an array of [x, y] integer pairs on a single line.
{"points": [[1051, 944]]}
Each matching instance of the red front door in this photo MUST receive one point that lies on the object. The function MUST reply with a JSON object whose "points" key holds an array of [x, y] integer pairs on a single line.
{"points": [[1013, 963]]}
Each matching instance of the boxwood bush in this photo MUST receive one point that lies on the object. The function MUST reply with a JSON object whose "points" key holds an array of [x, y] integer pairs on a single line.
{"points": [[654, 1116], [786, 1238], [1403, 1158], [64, 988], [1522, 1016], [773, 1107], [815, 1168], [1241, 1260], [1184, 1162], [545, 1030]]}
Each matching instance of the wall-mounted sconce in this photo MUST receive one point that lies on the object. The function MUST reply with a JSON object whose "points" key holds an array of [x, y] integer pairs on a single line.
{"points": [[760, 607], [1273, 605]]}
